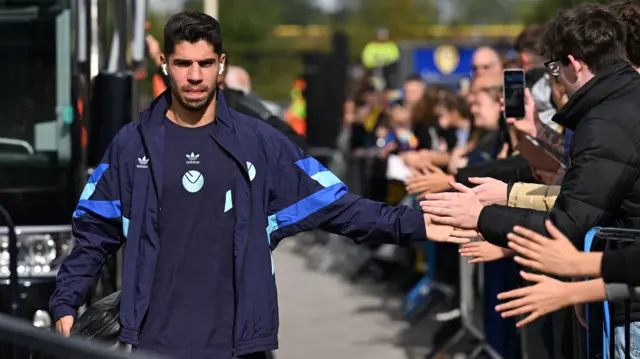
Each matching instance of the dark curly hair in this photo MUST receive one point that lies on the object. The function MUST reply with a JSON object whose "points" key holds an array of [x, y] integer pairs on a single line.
{"points": [[591, 33], [192, 26], [629, 13]]}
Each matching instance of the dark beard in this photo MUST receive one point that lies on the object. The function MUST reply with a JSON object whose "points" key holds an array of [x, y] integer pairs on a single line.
{"points": [[195, 106], [192, 106]]}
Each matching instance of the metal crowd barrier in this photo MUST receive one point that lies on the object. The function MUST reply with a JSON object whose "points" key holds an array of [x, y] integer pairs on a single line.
{"points": [[470, 338], [612, 237], [42, 343]]}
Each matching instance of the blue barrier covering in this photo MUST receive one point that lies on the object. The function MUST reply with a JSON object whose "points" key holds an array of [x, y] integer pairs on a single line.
{"points": [[610, 235]]}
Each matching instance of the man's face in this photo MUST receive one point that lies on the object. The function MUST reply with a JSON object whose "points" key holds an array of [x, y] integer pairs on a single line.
{"points": [[193, 71], [486, 62], [413, 91]]}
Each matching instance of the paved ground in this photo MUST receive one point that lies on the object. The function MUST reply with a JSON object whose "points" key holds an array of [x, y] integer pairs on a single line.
{"points": [[321, 316]]}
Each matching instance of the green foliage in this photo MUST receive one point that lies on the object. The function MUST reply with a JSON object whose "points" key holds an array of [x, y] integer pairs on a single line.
{"points": [[544, 10], [489, 12], [398, 16]]}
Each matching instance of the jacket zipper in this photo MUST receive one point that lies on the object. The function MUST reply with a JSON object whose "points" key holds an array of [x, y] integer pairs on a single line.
{"points": [[237, 278]]}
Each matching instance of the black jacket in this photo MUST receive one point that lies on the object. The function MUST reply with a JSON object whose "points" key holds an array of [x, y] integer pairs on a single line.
{"points": [[619, 266], [511, 169], [601, 184]]}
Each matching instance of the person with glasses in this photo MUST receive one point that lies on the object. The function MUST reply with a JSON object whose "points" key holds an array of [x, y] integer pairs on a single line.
{"points": [[601, 186]]}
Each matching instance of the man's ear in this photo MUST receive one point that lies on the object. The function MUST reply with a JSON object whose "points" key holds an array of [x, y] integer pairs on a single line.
{"points": [[577, 65], [163, 60], [223, 62]]}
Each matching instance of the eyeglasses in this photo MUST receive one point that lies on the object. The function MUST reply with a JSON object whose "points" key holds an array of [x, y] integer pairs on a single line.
{"points": [[553, 66]]}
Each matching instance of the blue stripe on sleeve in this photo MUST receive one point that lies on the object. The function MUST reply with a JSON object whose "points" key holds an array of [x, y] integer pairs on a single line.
{"points": [[309, 205], [104, 209], [333, 190], [90, 187], [326, 179], [311, 166], [318, 172]]}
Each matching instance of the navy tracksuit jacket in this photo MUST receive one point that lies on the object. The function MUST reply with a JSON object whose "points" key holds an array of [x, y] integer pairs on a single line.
{"points": [[282, 192]]}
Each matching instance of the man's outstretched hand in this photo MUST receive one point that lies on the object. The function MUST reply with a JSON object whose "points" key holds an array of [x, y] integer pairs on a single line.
{"points": [[460, 210], [441, 233]]}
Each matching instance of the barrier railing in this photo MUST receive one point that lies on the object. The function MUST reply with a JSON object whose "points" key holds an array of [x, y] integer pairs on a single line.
{"points": [[471, 335], [19, 339], [335, 254], [612, 237]]}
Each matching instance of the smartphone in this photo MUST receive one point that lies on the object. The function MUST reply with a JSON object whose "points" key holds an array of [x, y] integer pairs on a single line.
{"points": [[513, 93]]}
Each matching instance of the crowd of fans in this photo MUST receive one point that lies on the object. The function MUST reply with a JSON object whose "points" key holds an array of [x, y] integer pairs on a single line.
{"points": [[526, 190]]}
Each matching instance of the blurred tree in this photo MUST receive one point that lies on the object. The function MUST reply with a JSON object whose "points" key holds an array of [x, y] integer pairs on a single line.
{"points": [[489, 11], [299, 12], [544, 10], [247, 27], [398, 16]]}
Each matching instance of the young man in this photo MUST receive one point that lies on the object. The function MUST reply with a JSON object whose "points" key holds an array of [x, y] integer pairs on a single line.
{"points": [[202, 194]]}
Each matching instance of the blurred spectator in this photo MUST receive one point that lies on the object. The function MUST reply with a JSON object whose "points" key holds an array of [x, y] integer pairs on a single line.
{"points": [[413, 90], [527, 48], [486, 62], [237, 79], [237, 91], [425, 119], [480, 83], [398, 135], [456, 114], [629, 12], [486, 111]]}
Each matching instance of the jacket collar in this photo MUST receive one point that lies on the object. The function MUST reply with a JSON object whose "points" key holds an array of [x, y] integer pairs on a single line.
{"points": [[159, 107], [152, 130], [604, 85]]}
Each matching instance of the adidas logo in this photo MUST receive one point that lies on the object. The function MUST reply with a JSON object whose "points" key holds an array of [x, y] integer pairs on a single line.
{"points": [[143, 162], [192, 159]]}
